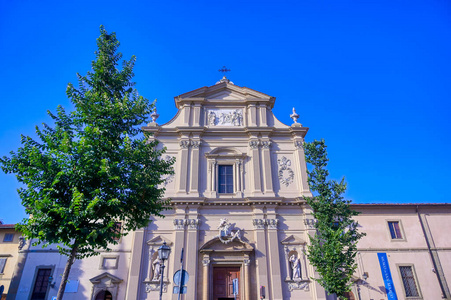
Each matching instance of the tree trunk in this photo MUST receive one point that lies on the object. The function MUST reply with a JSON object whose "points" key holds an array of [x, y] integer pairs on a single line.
{"points": [[69, 263]]}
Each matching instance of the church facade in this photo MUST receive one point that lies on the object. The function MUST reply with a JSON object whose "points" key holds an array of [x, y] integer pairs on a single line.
{"points": [[239, 215]]}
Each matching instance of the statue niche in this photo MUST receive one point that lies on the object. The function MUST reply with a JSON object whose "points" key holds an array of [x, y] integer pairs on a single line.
{"points": [[295, 263]]}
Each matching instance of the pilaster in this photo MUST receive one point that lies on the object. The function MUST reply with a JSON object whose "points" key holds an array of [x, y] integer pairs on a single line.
{"points": [[267, 168], [302, 168], [183, 166], [263, 119], [135, 265], [256, 171], [261, 253], [179, 237], [194, 170], [192, 224], [206, 277]]}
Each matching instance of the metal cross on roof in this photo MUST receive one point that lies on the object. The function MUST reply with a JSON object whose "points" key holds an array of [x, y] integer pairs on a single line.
{"points": [[224, 70]]}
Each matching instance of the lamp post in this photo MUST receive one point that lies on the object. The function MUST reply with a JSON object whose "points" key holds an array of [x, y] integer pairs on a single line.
{"points": [[163, 254]]}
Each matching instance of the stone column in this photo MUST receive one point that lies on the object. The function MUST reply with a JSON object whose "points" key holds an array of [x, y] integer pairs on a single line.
{"points": [[247, 278], [194, 171], [257, 185], [183, 166], [267, 168], [206, 276]]}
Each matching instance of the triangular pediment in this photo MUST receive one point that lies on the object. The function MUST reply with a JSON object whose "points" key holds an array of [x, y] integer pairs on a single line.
{"points": [[293, 240], [158, 241], [226, 95], [215, 245], [225, 91], [105, 278]]}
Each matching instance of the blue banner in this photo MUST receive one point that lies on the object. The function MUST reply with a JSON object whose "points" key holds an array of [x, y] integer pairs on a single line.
{"points": [[386, 275]]}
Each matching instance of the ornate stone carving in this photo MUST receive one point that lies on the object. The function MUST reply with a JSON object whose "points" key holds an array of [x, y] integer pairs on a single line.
{"points": [[247, 262], [302, 285], [272, 223], [294, 116], [193, 223], [179, 223], [265, 144], [205, 262], [259, 223], [226, 235], [286, 174], [254, 144], [154, 115], [211, 118], [225, 117], [195, 144], [21, 242], [298, 144], [152, 287], [310, 223], [184, 144]]}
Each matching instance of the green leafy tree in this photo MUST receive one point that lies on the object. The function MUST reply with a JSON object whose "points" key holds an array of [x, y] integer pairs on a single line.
{"points": [[95, 167], [333, 248]]}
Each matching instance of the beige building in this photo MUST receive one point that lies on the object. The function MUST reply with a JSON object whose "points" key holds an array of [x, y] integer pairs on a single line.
{"points": [[238, 213], [10, 242]]}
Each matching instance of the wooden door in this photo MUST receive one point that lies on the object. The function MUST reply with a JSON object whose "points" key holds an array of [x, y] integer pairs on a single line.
{"points": [[222, 282]]}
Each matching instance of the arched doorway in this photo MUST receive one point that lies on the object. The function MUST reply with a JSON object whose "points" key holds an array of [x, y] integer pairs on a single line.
{"points": [[104, 295]]}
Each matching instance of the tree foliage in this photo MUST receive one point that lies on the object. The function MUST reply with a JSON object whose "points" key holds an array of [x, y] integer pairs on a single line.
{"points": [[95, 166], [333, 248]]}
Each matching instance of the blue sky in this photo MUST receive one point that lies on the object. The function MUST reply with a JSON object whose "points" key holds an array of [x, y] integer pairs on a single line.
{"points": [[370, 77]]}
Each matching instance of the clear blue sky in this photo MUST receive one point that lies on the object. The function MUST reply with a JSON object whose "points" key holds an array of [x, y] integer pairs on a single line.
{"points": [[370, 77]]}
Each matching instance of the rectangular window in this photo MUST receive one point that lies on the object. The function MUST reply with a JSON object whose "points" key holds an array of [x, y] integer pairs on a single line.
{"points": [[41, 284], [395, 230], [2, 264], [9, 237], [408, 280], [225, 179]]}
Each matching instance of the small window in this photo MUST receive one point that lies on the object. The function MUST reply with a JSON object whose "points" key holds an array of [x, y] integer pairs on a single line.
{"points": [[408, 280], [109, 262], [395, 230], [225, 178], [9, 237], [2, 264]]}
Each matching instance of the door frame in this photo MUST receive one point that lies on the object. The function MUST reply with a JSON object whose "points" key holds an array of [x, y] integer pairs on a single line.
{"points": [[227, 265]]}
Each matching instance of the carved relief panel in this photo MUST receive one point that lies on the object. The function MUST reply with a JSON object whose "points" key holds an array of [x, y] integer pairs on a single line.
{"points": [[224, 117]]}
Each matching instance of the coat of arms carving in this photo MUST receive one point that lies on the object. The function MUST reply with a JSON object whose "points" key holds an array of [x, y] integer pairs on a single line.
{"points": [[286, 174], [226, 234]]}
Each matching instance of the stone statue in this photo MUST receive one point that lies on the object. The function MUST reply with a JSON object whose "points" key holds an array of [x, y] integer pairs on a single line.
{"points": [[156, 266], [296, 267]]}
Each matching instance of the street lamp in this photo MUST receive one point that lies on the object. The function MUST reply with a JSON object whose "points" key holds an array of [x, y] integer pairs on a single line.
{"points": [[163, 254]]}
